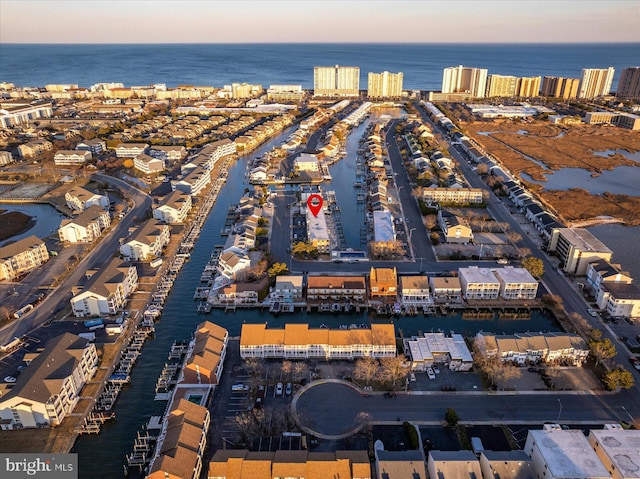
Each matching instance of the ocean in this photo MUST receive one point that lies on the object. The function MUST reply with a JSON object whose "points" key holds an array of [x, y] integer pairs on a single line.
{"points": [[220, 64]]}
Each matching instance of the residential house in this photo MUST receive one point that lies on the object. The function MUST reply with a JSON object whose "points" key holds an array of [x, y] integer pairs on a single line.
{"points": [[181, 443], [34, 148], [146, 242], [231, 264], [6, 158], [383, 283], [452, 195], [22, 256], [95, 146], [168, 153], [298, 341], [478, 283], [620, 300], [71, 157], [516, 283], [436, 348], [415, 290], [241, 463], [446, 289], [288, 289], [506, 464], [336, 289], [453, 464], [173, 208], [521, 349], [50, 386], [79, 199], [454, 228], [400, 464], [558, 454], [206, 357], [131, 150], [239, 293], [107, 290], [147, 164], [86, 227]]}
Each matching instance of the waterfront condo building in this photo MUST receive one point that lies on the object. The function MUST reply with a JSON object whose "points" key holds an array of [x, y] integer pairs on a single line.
{"points": [[285, 93], [436, 348], [22, 256], [577, 248], [95, 146], [173, 208], [193, 182], [318, 231], [131, 150], [241, 463], [617, 448], [516, 283], [414, 291], [86, 227], [528, 87], [629, 84], [79, 199], [107, 290], [147, 241], [206, 355], [384, 85], [479, 283], [299, 341], [49, 387], [383, 283], [336, 288], [288, 289], [462, 79], [595, 82], [336, 81], [501, 86], [559, 87], [20, 112]]}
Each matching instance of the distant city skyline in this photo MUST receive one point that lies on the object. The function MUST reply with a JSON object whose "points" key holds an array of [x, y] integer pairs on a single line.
{"points": [[329, 21]]}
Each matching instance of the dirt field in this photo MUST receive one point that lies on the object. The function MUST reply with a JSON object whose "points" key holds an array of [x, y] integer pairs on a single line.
{"points": [[551, 147]]}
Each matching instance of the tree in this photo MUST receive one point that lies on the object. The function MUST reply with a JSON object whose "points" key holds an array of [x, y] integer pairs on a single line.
{"points": [[602, 349], [366, 370], [482, 169], [261, 231], [128, 163], [5, 313], [552, 301], [451, 416], [431, 221], [300, 370], [391, 369], [303, 248], [534, 265], [513, 236], [287, 367], [580, 324], [493, 367], [277, 269], [618, 378]]}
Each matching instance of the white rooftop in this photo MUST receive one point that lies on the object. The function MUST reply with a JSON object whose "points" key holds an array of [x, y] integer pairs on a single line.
{"points": [[477, 275], [383, 227], [568, 454], [622, 447], [515, 275], [317, 226]]}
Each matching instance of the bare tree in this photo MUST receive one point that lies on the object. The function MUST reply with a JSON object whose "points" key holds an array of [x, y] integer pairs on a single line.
{"points": [[366, 370], [513, 236], [5, 313], [392, 370], [300, 370], [287, 367], [430, 221], [552, 371], [580, 324]]}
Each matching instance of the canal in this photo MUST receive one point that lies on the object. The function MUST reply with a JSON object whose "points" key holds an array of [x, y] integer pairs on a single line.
{"points": [[103, 455]]}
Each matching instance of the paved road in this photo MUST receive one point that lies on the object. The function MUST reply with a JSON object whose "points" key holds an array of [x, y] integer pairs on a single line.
{"points": [[60, 297], [334, 408]]}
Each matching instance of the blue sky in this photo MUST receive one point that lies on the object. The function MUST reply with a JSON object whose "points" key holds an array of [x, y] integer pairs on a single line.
{"points": [[251, 21]]}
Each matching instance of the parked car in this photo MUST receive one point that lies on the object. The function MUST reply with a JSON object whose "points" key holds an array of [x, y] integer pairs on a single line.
{"points": [[9, 379], [239, 387], [436, 369], [635, 362], [592, 312], [279, 389], [288, 389], [413, 376], [430, 373]]}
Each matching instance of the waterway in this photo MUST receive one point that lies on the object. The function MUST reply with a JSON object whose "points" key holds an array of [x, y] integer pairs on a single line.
{"points": [[47, 219], [102, 456]]}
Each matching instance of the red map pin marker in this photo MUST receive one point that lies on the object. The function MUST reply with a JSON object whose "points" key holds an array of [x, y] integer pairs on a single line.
{"points": [[314, 203]]}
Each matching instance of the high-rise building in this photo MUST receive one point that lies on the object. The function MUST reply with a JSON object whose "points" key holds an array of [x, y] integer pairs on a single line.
{"points": [[559, 87], [462, 79], [501, 85], [336, 81], [385, 85], [595, 82], [528, 87], [629, 84]]}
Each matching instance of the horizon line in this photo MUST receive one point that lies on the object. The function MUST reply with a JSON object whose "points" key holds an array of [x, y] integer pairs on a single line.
{"points": [[330, 43]]}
